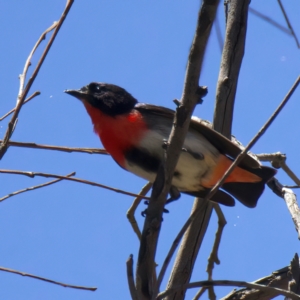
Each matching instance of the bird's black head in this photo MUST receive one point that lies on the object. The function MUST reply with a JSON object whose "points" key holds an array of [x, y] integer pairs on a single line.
{"points": [[110, 99]]}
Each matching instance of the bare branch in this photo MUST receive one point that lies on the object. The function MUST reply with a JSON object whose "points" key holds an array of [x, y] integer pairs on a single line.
{"points": [[278, 160], [279, 279], [129, 269], [133, 207], [230, 66], [213, 258], [34, 187], [288, 23], [186, 256], [162, 184], [208, 283], [22, 77], [49, 280], [269, 20], [27, 100], [56, 148], [47, 175], [12, 122]]}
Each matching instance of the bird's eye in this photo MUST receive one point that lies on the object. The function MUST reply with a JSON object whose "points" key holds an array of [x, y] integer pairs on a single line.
{"points": [[94, 87]]}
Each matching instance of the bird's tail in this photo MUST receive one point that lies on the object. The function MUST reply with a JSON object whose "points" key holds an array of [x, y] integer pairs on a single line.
{"points": [[245, 184]]}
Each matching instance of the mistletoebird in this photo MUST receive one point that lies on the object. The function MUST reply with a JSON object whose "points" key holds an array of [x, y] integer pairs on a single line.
{"points": [[133, 134]]}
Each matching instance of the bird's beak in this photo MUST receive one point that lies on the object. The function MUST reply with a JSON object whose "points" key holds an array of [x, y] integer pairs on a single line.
{"points": [[79, 94]]}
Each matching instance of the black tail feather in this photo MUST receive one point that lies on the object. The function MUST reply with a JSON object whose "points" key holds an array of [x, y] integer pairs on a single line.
{"points": [[247, 193], [219, 197]]}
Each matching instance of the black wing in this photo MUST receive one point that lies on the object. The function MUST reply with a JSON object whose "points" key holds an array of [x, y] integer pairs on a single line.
{"points": [[223, 144]]}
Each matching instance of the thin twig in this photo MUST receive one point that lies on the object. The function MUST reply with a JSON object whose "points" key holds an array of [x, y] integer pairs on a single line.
{"points": [[278, 160], [130, 212], [279, 279], [12, 122], [22, 76], [47, 175], [219, 34], [269, 20], [27, 100], [130, 279], [49, 280], [34, 187], [189, 247], [200, 293], [288, 23], [213, 258], [56, 148], [209, 283]]}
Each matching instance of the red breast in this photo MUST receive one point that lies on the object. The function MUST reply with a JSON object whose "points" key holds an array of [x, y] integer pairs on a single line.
{"points": [[117, 133]]}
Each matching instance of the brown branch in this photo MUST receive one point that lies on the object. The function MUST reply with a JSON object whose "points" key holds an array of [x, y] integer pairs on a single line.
{"points": [[28, 61], [278, 160], [213, 257], [236, 21], [162, 184], [269, 20], [27, 100], [21, 98], [209, 283], [129, 269], [57, 148], [34, 187], [133, 207], [49, 280], [200, 293], [47, 175], [230, 66], [186, 254], [288, 23], [279, 279]]}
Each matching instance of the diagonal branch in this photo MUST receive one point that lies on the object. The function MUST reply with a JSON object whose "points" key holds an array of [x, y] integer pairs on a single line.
{"points": [[56, 148], [130, 279], [162, 184], [278, 279], [34, 187], [48, 280], [288, 23], [209, 283], [47, 175], [22, 96], [269, 20], [27, 100], [133, 207]]}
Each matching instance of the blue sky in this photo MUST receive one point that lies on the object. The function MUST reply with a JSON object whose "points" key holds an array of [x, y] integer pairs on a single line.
{"points": [[79, 234]]}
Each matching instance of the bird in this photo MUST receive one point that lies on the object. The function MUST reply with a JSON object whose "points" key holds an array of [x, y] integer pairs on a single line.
{"points": [[133, 134]]}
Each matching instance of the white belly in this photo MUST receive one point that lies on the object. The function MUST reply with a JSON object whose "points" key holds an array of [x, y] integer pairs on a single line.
{"points": [[190, 168]]}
